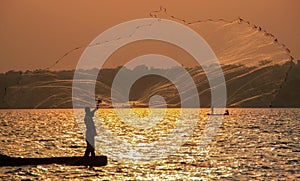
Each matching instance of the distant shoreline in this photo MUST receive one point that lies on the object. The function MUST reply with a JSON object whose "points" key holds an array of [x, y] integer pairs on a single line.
{"points": [[155, 108], [247, 87]]}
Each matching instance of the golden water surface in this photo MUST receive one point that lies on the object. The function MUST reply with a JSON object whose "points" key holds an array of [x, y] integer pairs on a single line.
{"points": [[251, 144]]}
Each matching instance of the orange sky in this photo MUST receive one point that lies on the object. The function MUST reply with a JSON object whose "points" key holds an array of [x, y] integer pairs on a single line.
{"points": [[34, 33]]}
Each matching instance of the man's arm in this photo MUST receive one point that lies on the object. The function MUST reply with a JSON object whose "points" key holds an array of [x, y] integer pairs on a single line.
{"points": [[97, 107], [93, 111]]}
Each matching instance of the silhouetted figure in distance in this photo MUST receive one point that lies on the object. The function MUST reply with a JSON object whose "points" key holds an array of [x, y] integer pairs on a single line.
{"points": [[90, 130], [226, 112]]}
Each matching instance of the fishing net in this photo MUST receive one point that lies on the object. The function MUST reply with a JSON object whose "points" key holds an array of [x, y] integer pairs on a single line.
{"points": [[254, 62]]}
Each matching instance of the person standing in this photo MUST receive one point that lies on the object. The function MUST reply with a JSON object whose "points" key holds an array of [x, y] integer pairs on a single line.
{"points": [[90, 131]]}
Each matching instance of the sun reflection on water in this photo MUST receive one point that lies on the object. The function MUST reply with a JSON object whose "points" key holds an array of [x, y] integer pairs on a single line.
{"points": [[250, 144]]}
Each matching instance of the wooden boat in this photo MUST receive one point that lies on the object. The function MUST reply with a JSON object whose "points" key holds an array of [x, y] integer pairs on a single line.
{"points": [[86, 161], [217, 114], [225, 114]]}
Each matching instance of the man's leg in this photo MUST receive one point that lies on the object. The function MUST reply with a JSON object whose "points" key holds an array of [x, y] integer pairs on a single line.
{"points": [[87, 150], [93, 152], [93, 147]]}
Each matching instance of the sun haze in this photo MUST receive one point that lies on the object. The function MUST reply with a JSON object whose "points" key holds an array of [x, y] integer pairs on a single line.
{"points": [[35, 34]]}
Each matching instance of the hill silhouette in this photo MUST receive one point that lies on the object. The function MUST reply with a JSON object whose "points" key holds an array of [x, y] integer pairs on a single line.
{"points": [[246, 87]]}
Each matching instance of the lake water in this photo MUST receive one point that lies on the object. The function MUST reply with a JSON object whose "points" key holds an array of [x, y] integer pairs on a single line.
{"points": [[251, 144]]}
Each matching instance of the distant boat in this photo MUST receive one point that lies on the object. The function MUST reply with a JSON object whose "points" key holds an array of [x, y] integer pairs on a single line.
{"points": [[214, 114], [76, 161]]}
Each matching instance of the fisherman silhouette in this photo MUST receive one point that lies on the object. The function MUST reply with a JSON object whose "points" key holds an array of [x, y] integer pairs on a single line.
{"points": [[90, 130], [226, 112]]}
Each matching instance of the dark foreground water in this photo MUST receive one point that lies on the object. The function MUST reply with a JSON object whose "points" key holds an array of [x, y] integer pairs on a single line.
{"points": [[251, 144]]}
